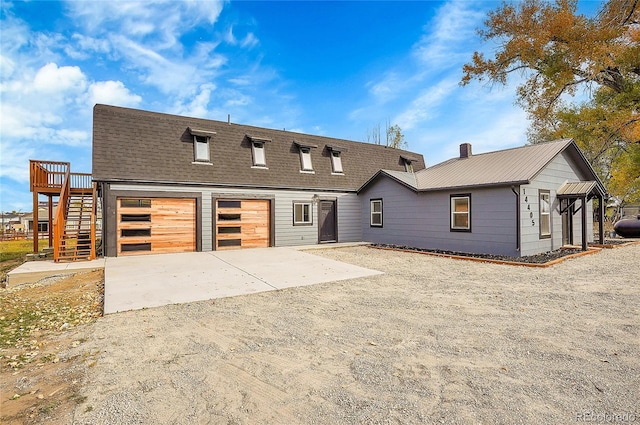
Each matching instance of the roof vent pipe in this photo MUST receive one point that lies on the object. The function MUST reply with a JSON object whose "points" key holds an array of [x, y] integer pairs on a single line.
{"points": [[465, 150], [229, 119]]}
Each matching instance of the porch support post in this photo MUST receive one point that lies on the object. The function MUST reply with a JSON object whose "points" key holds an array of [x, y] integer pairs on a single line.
{"points": [[584, 223], [601, 224], [50, 223], [35, 221]]}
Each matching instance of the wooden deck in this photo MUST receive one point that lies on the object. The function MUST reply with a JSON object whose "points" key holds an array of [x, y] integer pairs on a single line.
{"points": [[72, 237]]}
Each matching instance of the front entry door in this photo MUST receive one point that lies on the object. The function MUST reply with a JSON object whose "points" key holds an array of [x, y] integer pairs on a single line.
{"points": [[327, 221], [567, 222]]}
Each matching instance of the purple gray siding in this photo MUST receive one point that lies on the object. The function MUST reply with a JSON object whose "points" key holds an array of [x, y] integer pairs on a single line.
{"points": [[559, 171], [422, 219]]}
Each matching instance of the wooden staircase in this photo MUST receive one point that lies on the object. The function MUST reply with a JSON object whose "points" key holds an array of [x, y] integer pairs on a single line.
{"points": [[74, 231], [75, 241]]}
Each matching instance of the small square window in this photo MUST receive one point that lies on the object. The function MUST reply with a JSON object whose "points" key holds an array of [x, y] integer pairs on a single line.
{"points": [[461, 213], [376, 213], [302, 213], [305, 158], [336, 162], [201, 148], [259, 159]]}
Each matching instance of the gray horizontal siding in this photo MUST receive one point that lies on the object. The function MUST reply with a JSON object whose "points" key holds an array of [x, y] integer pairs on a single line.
{"points": [[286, 234], [422, 220], [559, 171]]}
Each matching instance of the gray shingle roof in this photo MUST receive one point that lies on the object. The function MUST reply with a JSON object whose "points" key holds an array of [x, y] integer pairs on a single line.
{"points": [[499, 168], [140, 146]]}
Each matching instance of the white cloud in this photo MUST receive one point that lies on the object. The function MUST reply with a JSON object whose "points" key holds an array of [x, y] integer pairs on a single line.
{"points": [[160, 23], [444, 43], [15, 160], [52, 79], [112, 93], [427, 105], [198, 106]]}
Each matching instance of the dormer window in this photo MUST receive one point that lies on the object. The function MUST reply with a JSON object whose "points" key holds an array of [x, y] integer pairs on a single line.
{"points": [[258, 151], [305, 157], [336, 162], [201, 149], [408, 163], [259, 159], [336, 159]]}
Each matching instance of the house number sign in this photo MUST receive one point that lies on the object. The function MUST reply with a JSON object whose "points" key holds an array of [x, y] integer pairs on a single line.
{"points": [[526, 202]]}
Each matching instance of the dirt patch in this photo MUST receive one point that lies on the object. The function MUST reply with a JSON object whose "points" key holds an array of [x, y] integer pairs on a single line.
{"points": [[39, 322]]}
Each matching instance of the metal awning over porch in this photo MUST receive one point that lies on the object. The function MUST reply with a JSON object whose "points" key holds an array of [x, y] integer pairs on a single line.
{"points": [[580, 189], [585, 191]]}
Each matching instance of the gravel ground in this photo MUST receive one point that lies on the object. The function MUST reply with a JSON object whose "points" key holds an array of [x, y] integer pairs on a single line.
{"points": [[433, 340]]}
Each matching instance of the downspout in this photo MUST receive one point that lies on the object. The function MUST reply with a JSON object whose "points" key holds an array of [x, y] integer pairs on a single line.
{"points": [[517, 216]]}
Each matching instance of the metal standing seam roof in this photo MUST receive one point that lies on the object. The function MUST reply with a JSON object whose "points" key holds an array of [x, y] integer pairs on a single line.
{"points": [[568, 190], [510, 166]]}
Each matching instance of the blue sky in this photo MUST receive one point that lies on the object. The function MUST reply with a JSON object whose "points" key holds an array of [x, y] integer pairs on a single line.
{"points": [[337, 69]]}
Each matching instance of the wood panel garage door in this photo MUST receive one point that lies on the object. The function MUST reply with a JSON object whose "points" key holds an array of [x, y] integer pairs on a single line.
{"points": [[242, 223], [156, 225]]}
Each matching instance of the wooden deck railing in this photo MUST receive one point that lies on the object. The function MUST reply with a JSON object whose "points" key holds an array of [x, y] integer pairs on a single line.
{"points": [[47, 174], [81, 181], [60, 219]]}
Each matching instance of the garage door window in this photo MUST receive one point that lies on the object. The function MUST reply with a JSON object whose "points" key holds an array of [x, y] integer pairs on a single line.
{"points": [[133, 247], [135, 203], [135, 233], [135, 217]]}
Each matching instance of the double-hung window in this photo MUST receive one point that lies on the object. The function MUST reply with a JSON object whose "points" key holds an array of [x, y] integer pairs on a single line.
{"points": [[545, 214], [461, 213], [302, 214], [375, 212]]}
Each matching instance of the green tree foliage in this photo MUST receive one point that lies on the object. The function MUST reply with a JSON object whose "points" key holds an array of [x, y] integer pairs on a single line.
{"points": [[562, 53]]}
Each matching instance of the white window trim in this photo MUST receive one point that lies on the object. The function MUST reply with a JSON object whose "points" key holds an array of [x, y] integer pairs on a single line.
{"points": [[256, 153], [542, 214], [373, 213], [305, 167], [206, 139], [454, 213], [336, 162], [308, 205]]}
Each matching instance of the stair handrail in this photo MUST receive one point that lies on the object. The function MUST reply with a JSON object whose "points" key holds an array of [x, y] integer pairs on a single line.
{"points": [[93, 221], [59, 221]]}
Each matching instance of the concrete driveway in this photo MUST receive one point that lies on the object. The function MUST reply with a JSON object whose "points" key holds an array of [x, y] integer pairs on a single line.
{"points": [[143, 281]]}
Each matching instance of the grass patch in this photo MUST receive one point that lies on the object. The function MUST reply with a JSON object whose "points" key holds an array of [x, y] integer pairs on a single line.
{"points": [[12, 254], [13, 250]]}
